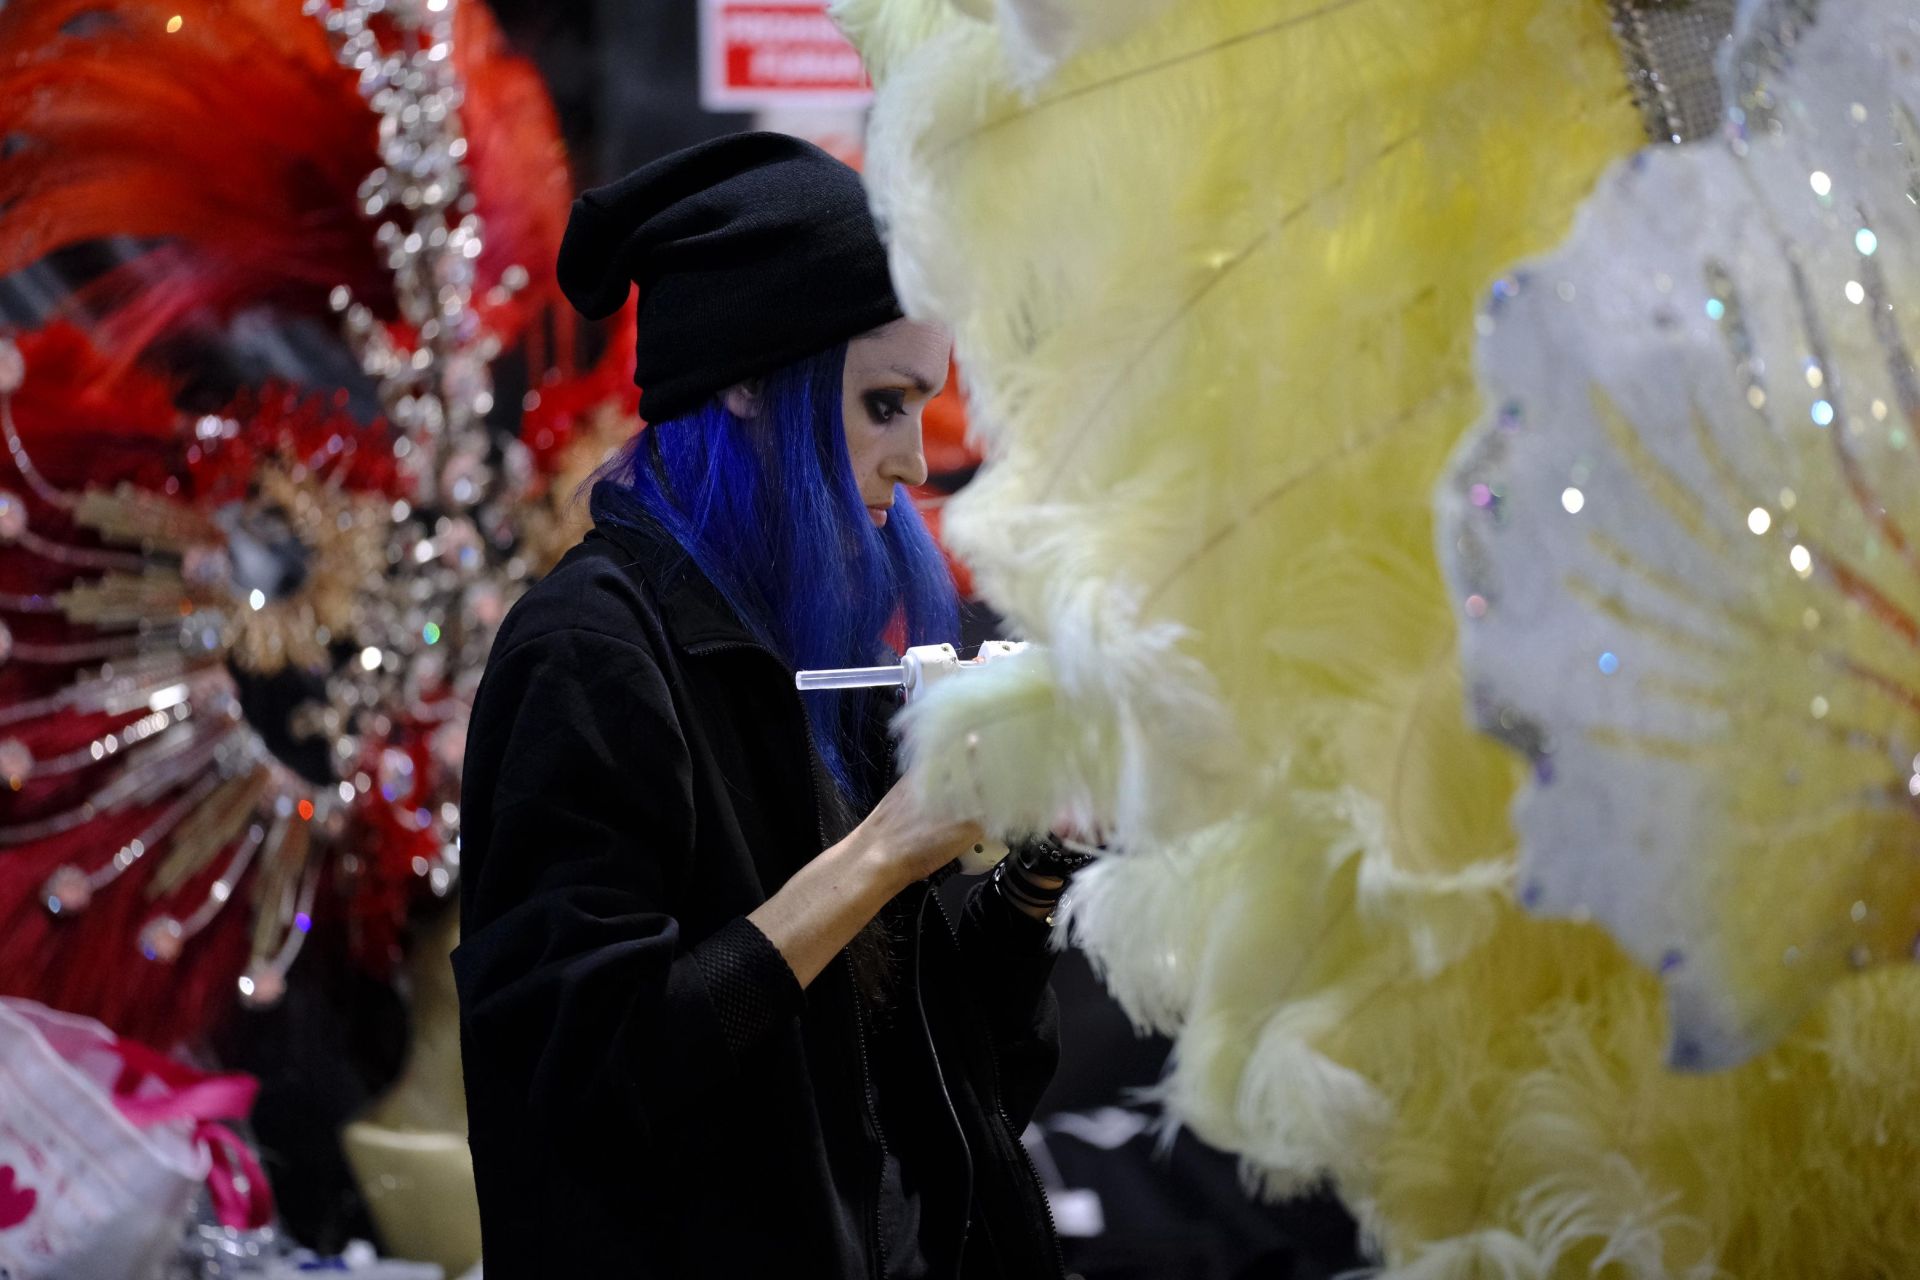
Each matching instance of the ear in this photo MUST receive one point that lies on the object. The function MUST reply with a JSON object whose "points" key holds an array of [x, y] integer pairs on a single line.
{"points": [[742, 400]]}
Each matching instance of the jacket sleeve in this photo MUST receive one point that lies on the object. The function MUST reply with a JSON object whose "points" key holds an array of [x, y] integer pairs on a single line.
{"points": [[1007, 953], [574, 978]]}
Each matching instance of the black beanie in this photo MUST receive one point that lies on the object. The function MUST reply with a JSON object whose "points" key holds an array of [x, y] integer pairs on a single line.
{"points": [[751, 251]]}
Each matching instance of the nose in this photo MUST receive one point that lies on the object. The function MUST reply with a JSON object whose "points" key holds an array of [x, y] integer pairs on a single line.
{"points": [[909, 465]]}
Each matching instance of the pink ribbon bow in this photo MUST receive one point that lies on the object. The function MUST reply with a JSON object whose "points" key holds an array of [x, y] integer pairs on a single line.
{"points": [[241, 1197]]}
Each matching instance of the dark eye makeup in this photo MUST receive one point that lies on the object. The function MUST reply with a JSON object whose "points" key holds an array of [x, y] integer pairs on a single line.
{"points": [[884, 406]]}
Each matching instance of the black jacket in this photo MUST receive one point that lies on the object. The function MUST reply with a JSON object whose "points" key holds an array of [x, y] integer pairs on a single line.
{"points": [[650, 1092]]}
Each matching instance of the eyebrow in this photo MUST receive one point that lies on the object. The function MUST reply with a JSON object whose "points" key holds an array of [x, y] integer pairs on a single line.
{"points": [[918, 379]]}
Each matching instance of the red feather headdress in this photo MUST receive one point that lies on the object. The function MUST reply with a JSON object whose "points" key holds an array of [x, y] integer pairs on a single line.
{"points": [[234, 646]]}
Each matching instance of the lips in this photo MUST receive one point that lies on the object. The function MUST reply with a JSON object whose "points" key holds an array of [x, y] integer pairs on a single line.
{"points": [[878, 515]]}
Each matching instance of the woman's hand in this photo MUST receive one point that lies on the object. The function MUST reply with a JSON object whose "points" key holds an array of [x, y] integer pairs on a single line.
{"points": [[828, 901], [904, 844]]}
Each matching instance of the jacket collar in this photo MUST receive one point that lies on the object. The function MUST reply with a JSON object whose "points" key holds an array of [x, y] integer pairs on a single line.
{"points": [[692, 609]]}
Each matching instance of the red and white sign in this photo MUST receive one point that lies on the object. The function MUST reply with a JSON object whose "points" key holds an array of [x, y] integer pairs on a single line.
{"points": [[761, 54]]}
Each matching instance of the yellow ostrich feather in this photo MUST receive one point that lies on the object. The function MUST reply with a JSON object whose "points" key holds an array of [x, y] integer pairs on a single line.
{"points": [[1212, 268]]}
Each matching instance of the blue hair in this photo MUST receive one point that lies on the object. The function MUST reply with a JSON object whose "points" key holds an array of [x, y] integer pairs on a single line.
{"points": [[769, 510]]}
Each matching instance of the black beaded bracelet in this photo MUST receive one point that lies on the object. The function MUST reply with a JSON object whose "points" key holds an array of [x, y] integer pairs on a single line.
{"points": [[1014, 885], [1017, 878], [1047, 855]]}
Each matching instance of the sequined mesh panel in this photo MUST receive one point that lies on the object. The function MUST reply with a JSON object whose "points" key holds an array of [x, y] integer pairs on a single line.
{"points": [[1702, 447], [1669, 50]]}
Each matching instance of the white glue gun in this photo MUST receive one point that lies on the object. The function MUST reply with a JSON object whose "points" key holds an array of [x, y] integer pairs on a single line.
{"points": [[919, 669]]}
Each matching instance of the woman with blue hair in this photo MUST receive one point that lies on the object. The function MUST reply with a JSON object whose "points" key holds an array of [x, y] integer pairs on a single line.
{"points": [[715, 1021]]}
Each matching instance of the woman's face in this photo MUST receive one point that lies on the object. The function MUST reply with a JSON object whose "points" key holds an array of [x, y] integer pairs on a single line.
{"points": [[890, 376]]}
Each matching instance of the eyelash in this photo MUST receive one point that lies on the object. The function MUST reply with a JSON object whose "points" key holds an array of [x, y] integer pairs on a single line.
{"points": [[884, 406]]}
